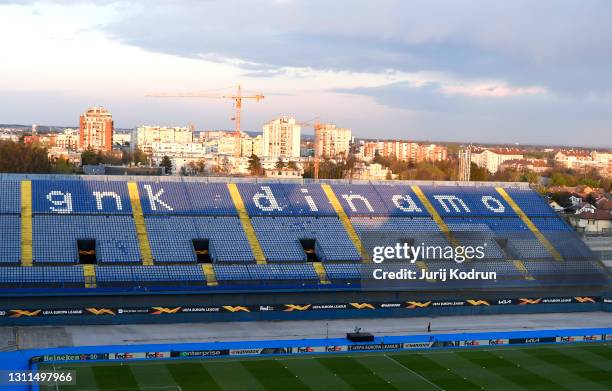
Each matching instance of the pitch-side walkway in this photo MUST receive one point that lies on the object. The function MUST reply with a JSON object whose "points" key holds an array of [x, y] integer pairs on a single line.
{"points": [[55, 336]]}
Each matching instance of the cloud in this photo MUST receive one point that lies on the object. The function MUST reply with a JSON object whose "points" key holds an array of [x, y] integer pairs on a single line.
{"points": [[459, 70], [525, 118], [561, 45]]}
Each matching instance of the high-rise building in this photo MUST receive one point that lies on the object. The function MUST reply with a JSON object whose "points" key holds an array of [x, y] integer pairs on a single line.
{"points": [[403, 150], [96, 129], [281, 138], [492, 159], [431, 153], [161, 134], [333, 141]]}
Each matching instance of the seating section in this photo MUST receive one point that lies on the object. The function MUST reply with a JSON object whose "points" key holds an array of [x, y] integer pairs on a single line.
{"points": [[360, 200], [280, 238], [568, 271], [521, 243], [10, 244], [531, 202], [80, 196], [352, 272], [41, 276], [178, 198], [275, 199], [401, 200], [10, 200], [171, 238], [476, 234], [55, 238], [563, 238], [302, 273], [176, 275], [383, 231], [187, 219]]}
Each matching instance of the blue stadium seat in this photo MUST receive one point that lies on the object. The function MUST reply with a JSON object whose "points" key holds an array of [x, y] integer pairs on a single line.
{"points": [[275, 199], [280, 238], [178, 198], [55, 238], [171, 238], [10, 246], [130, 276], [455, 201], [360, 200], [485, 201], [384, 231], [10, 200], [270, 273], [52, 276], [401, 201], [80, 196], [531, 202]]}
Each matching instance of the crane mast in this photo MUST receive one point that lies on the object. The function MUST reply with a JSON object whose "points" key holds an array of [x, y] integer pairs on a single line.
{"points": [[237, 98]]}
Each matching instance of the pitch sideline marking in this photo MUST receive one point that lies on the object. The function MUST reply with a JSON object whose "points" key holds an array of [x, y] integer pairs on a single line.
{"points": [[414, 372]]}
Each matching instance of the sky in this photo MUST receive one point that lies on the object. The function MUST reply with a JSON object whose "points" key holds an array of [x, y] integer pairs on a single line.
{"points": [[504, 71]]}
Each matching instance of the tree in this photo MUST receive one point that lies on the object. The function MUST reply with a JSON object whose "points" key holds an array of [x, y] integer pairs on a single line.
{"points": [[292, 165], [197, 168], [280, 164], [63, 166], [255, 165], [226, 166], [136, 157], [139, 157], [562, 198], [531, 177], [23, 158], [478, 173], [167, 163], [89, 156]]}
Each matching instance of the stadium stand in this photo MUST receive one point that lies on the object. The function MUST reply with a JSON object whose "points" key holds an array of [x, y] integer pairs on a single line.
{"points": [[214, 235]]}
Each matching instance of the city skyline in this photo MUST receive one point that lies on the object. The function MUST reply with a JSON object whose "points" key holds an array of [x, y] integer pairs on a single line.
{"points": [[480, 72]]}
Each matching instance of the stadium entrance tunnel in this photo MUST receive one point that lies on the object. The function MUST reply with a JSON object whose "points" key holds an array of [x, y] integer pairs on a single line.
{"points": [[202, 250], [87, 251], [309, 247]]}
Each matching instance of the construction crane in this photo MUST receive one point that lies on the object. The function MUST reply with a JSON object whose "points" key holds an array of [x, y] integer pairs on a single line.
{"points": [[237, 98], [316, 125]]}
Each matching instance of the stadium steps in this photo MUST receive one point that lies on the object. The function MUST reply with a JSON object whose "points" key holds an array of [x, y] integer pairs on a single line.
{"points": [[436, 216], [423, 266], [346, 222], [527, 221], [89, 272], [209, 273], [141, 228], [520, 266], [246, 224], [26, 223], [318, 267]]}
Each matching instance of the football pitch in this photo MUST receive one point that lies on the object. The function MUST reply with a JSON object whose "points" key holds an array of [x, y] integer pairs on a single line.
{"points": [[551, 367]]}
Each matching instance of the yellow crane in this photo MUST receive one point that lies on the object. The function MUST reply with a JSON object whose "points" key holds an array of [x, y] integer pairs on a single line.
{"points": [[237, 98]]}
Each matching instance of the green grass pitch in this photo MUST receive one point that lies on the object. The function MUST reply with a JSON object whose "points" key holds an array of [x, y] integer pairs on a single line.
{"points": [[551, 367]]}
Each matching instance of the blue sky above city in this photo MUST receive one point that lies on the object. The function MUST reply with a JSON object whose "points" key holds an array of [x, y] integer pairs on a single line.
{"points": [[470, 71]]}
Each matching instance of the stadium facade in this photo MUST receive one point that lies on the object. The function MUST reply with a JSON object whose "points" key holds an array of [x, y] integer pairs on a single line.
{"points": [[156, 249]]}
